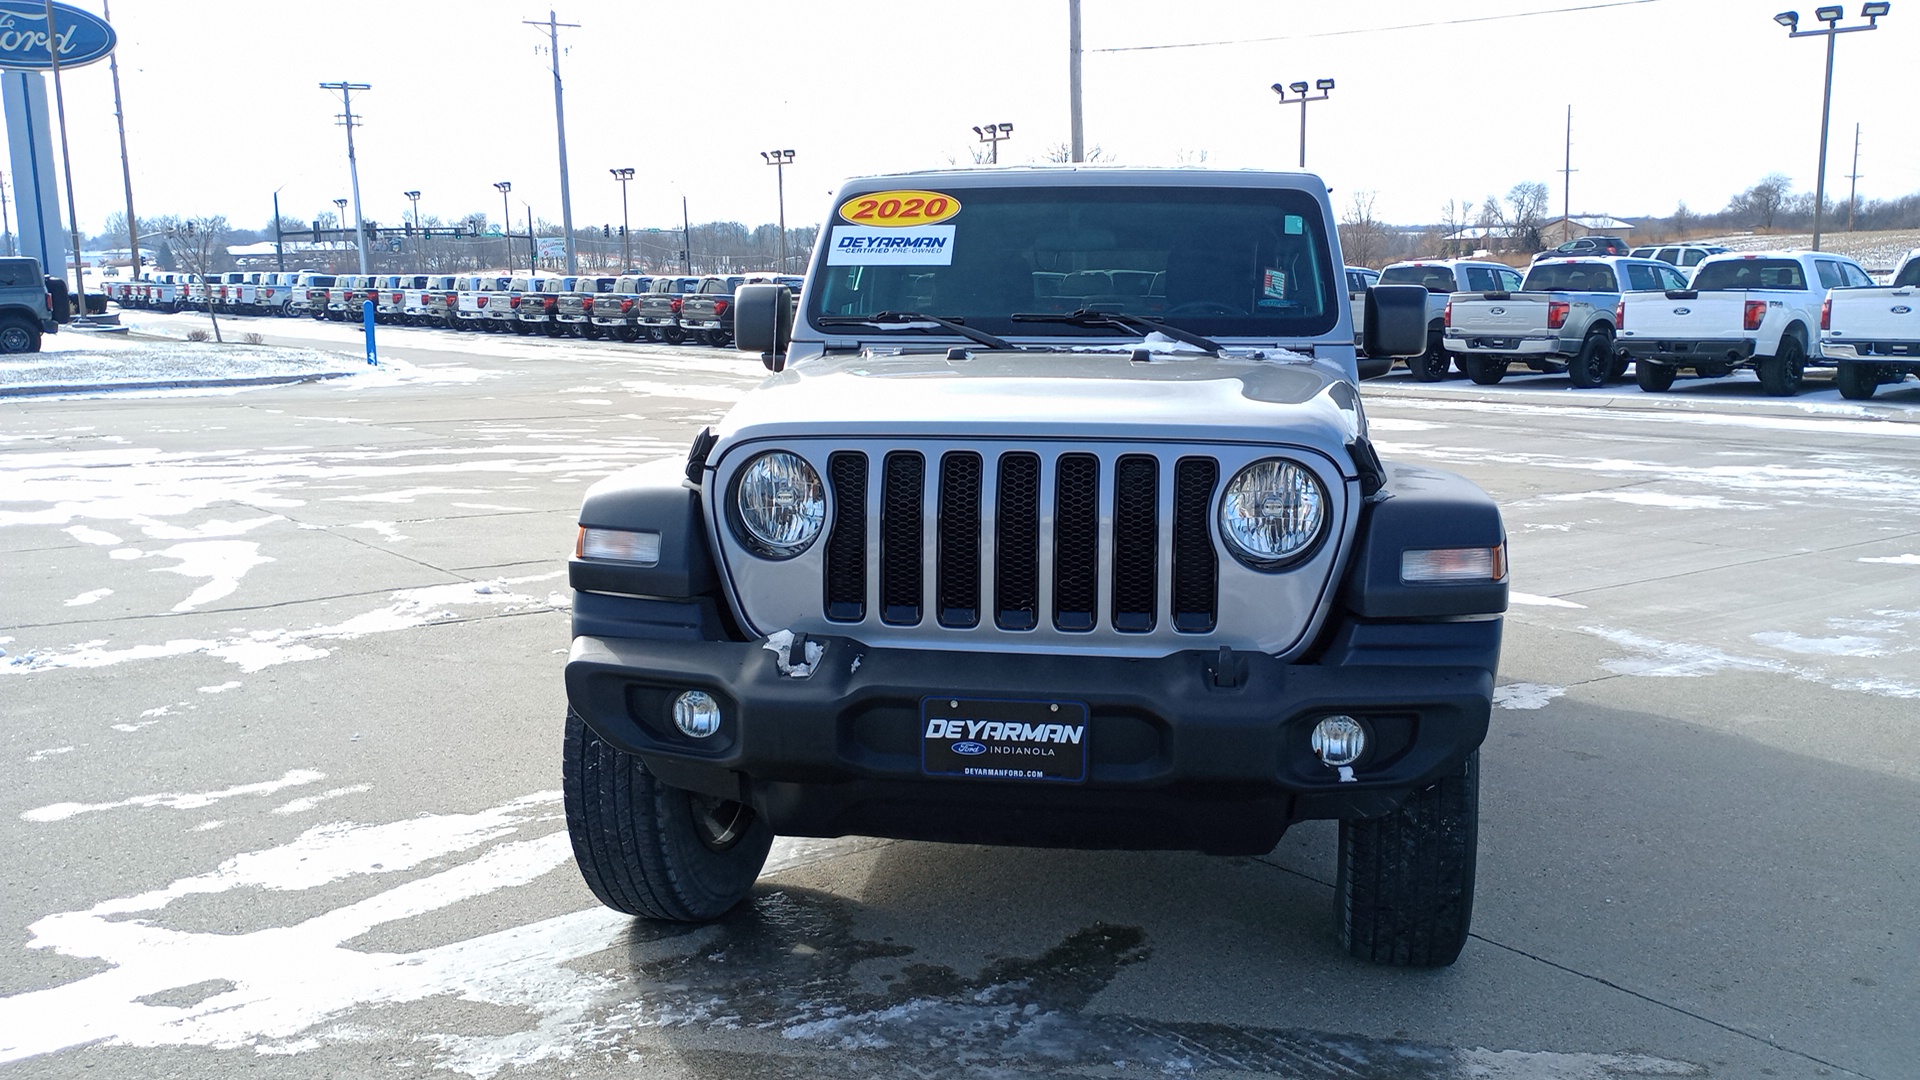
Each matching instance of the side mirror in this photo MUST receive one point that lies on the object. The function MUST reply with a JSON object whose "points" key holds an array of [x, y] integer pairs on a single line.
{"points": [[763, 322], [1396, 321]]}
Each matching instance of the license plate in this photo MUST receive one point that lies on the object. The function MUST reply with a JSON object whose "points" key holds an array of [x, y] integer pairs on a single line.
{"points": [[1497, 343], [989, 739]]}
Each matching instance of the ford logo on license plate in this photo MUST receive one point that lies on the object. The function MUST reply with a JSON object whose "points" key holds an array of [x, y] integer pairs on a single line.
{"points": [[969, 748]]}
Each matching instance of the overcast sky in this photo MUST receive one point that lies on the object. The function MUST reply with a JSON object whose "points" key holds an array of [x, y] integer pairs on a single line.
{"points": [[1672, 100]]}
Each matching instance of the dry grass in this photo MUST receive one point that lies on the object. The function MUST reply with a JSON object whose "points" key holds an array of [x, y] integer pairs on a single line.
{"points": [[254, 339], [199, 335]]}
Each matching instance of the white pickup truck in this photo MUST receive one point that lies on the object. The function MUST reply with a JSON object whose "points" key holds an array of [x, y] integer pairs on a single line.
{"points": [[1757, 309], [1873, 335], [1561, 320], [1442, 278]]}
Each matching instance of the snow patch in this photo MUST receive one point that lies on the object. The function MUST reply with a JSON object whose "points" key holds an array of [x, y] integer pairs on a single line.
{"points": [[1662, 499], [53, 751], [174, 800], [222, 562], [780, 644], [1526, 695], [221, 688], [87, 535], [90, 596], [1845, 645], [308, 802], [1896, 560], [1541, 601]]}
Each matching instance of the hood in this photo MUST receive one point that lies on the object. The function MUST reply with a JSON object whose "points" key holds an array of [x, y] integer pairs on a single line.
{"points": [[1088, 393]]}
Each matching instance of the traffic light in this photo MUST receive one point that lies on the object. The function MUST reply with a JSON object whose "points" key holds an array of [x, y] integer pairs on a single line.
{"points": [[623, 232], [409, 230], [605, 231]]}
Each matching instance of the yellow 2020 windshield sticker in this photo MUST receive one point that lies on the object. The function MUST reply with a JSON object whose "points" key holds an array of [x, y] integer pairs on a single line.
{"points": [[898, 209]]}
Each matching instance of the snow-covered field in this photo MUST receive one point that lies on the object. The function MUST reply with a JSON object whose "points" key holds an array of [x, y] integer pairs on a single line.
{"points": [[1876, 251], [84, 358]]}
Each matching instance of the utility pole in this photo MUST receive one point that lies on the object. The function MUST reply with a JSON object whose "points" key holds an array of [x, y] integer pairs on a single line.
{"points": [[126, 170], [1079, 144], [686, 238], [554, 26], [780, 159], [1566, 190], [353, 165], [506, 225], [1853, 178], [279, 245], [6, 220], [66, 166]]}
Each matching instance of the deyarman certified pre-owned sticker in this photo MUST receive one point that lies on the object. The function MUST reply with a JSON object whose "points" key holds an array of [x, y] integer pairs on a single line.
{"points": [[899, 209], [927, 245]]}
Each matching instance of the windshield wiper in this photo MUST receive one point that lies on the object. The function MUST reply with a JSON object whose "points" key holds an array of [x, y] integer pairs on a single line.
{"points": [[1091, 317], [885, 318]]}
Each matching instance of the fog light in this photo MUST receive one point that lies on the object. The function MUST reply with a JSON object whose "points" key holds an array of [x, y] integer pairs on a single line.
{"points": [[1339, 740], [696, 714]]}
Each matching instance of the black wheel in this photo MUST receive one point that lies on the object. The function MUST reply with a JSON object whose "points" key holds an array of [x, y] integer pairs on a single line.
{"points": [[1484, 370], [1592, 365], [645, 333], [1432, 365], [1619, 368], [628, 333], [1404, 886], [717, 338], [592, 331], [555, 329], [1653, 378], [673, 335], [1857, 381], [18, 336], [651, 850], [1781, 373]]}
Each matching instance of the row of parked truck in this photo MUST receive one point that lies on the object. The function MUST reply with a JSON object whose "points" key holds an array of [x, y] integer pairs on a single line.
{"points": [[629, 307], [1774, 312]]}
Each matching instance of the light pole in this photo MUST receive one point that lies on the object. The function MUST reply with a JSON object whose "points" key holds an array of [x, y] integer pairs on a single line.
{"points": [[626, 241], [780, 159], [1300, 90], [506, 224], [1831, 15], [414, 197], [993, 133], [353, 163]]}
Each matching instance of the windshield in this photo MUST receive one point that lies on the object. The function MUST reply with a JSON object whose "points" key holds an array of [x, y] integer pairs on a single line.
{"points": [[1571, 277], [1437, 279], [1749, 274], [1216, 261]]}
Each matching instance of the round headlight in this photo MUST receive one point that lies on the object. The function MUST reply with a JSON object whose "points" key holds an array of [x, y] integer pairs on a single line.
{"points": [[1272, 513], [781, 504]]}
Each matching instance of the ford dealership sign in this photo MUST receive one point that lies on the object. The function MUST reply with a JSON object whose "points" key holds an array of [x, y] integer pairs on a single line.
{"points": [[80, 36]]}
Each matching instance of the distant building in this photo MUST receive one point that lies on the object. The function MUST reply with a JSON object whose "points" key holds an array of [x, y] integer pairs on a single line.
{"points": [[1559, 232]]}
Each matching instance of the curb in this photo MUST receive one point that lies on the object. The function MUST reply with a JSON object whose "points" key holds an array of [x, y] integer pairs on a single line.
{"points": [[166, 384], [1599, 399]]}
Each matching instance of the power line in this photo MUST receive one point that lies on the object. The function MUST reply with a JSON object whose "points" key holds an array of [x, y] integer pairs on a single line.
{"points": [[1375, 29]]}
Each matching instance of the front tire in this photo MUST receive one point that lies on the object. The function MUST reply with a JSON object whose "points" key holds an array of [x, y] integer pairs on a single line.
{"points": [[650, 850], [19, 336], [1404, 886], [1593, 364], [1431, 366], [1857, 381], [1781, 373]]}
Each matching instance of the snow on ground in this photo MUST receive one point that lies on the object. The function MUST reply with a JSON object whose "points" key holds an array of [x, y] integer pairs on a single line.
{"points": [[84, 358], [1874, 250]]}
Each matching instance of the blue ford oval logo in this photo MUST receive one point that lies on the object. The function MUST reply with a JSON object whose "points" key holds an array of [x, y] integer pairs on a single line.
{"points": [[81, 36], [969, 748], [1901, 309], [1497, 311], [1683, 311]]}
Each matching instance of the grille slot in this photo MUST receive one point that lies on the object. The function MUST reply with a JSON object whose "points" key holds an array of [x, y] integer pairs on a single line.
{"points": [[902, 529], [1136, 542], [1196, 568], [958, 588], [846, 555], [1076, 542], [1016, 560]]}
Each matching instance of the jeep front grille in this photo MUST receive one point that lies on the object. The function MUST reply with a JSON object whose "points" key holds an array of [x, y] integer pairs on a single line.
{"points": [[1019, 542]]}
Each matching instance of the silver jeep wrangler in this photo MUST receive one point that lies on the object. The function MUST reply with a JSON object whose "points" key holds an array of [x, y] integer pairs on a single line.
{"points": [[1057, 525]]}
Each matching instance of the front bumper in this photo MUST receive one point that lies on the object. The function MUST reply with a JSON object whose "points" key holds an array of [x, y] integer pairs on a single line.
{"points": [[1196, 750], [1686, 352]]}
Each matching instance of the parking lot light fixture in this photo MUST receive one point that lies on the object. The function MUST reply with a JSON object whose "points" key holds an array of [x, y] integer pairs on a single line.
{"points": [[414, 197], [1830, 15], [1325, 86], [626, 241], [993, 134], [506, 224]]}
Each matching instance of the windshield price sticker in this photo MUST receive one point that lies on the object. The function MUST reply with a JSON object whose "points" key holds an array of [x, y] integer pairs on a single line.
{"points": [[899, 209], [928, 245], [1004, 740]]}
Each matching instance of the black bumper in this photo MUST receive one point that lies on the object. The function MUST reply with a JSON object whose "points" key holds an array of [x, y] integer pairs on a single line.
{"points": [[1682, 352], [1191, 751]]}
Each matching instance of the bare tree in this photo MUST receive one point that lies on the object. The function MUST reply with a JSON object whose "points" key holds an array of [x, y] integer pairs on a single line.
{"points": [[1190, 157], [1061, 153], [199, 246], [1455, 217], [1527, 214], [1762, 202], [1362, 238]]}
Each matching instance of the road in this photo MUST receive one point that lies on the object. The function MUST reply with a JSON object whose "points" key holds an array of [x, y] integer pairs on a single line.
{"points": [[283, 705]]}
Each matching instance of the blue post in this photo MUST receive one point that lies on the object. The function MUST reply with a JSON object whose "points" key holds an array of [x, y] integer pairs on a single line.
{"points": [[366, 316]]}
